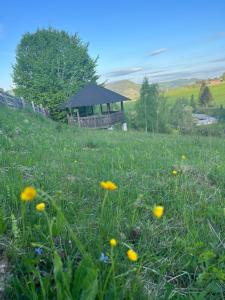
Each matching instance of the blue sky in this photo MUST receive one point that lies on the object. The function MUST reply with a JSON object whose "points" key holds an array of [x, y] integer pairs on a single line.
{"points": [[163, 40]]}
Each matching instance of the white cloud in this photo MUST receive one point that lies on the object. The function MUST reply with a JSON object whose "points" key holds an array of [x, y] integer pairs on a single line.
{"points": [[157, 52], [123, 72]]}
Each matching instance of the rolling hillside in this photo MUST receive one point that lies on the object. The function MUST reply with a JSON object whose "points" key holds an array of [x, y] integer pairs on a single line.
{"points": [[61, 249], [131, 90], [127, 88], [218, 92]]}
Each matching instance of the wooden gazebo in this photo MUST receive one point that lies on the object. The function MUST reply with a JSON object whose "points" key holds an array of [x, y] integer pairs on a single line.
{"points": [[80, 107]]}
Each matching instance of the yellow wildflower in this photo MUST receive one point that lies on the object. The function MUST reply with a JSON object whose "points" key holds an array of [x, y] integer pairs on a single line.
{"points": [[108, 185], [183, 157], [113, 242], [174, 172], [158, 211], [28, 194], [40, 206], [132, 255]]}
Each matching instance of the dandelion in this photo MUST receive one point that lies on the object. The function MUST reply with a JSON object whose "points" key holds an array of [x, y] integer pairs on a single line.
{"points": [[158, 211], [174, 172], [104, 258], [113, 242], [28, 194], [40, 207], [108, 185], [132, 255], [183, 157]]}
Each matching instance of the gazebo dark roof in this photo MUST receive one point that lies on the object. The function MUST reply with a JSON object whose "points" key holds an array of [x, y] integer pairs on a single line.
{"points": [[93, 94]]}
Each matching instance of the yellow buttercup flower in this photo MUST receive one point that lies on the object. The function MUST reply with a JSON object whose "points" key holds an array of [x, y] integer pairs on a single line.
{"points": [[40, 207], [174, 172], [103, 185], [158, 211], [113, 242], [28, 194], [183, 157], [108, 185], [132, 255]]}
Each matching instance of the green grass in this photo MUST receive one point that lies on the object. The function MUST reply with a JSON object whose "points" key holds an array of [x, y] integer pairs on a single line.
{"points": [[218, 92], [181, 255]]}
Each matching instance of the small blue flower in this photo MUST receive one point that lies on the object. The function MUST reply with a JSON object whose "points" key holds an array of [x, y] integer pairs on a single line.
{"points": [[38, 251], [104, 258]]}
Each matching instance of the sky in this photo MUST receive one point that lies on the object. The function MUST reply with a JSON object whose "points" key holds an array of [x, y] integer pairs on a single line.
{"points": [[163, 40]]}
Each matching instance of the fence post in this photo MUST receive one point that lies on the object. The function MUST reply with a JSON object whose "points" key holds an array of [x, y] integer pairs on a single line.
{"points": [[33, 106], [22, 101], [42, 109]]}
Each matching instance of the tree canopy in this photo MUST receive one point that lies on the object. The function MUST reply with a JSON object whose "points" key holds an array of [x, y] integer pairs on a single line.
{"points": [[50, 66], [151, 108], [205, 97]]}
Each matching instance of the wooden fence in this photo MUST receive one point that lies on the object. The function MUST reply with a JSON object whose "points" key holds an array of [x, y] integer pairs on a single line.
{"points": [[101, 121], [20, 103]]}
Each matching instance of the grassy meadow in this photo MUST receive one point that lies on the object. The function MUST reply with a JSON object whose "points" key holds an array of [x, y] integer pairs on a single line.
{"points": [[172, 94], [64, 252], [218, 92]]}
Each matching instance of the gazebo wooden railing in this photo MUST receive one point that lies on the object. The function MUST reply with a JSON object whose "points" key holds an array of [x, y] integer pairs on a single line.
{"points": [[102, 121]]}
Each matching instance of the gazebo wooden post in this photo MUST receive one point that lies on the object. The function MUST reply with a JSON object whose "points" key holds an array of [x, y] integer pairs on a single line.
{"points": [[78, 117], [101, 108], [122, 108], [108, 115], [69, 116], [108, 108]]}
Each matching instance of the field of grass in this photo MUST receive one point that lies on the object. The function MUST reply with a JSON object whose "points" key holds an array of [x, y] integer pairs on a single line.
{"points": [[64, 251], [218, 92]]}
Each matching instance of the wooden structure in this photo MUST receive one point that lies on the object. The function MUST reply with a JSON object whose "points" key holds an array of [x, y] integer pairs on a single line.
{"points": [[20, 103], [11, 101], [90, 96]]}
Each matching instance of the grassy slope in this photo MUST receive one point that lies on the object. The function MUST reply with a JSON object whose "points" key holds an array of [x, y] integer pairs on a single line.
{"points": [[131, 89], [218, 92], [175, 252]]}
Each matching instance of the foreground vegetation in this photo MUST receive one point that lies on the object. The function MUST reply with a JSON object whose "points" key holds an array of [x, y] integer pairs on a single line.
{"points": [[64, 250]]}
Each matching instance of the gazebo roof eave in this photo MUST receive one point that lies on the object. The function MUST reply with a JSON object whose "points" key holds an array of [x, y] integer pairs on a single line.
{"points": [[91, 95]]}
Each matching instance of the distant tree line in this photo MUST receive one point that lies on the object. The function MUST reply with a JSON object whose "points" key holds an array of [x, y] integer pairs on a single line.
{"points": [[154, 114]]}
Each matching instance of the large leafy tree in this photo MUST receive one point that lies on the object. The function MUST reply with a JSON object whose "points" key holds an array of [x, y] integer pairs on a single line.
{"points": [[151, 108], [50, 66]]}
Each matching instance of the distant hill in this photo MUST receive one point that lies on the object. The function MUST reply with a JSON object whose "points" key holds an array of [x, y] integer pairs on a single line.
{"points": [[177, 83], [127, 88], [131, 89]]}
